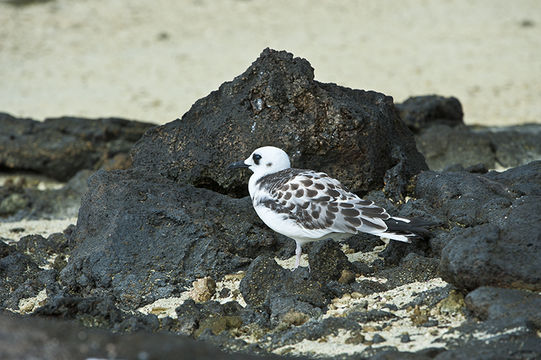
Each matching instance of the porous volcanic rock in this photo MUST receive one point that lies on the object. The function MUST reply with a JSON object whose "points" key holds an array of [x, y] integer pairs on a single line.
{"points": [[444, 146], [27, 267], [495, 224], [59, 147], [354, 135], [519, 307], [141, 237], [281, 291]]}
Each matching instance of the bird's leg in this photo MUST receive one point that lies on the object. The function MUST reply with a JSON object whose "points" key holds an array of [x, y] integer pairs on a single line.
{"points": [[298, 252]]}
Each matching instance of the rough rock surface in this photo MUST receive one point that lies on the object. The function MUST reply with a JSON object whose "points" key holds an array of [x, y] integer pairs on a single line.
{"points": [[443, 145], [354, 135], [298, 291], [517, 307], [59, 147], [420, 112], [495, 220], [182, 233]]}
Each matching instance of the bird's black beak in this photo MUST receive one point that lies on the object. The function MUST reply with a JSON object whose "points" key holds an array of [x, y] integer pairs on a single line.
{"points": [[237, 165]]}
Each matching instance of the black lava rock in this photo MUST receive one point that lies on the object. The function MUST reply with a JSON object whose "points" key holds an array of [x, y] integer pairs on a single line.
{"points": [[141, 237], [327, 261], [281, 291], [314, 330], [523, 347], [40, 248], [195, 318], [519, 307], [421, 112], [494, 226], [276, 101], [515, 145], [17, 274], [99, 312], [60, 147]]}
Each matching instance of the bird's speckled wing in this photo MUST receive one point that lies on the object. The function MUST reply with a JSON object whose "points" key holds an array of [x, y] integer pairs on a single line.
{"points": [[316, 201]]}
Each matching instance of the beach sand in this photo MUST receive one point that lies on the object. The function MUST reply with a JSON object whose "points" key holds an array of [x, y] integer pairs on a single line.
{"points": [[150, 60]]}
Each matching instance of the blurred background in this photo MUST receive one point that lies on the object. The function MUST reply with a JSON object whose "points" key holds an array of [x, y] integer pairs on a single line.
{"points": [[150, 60]]}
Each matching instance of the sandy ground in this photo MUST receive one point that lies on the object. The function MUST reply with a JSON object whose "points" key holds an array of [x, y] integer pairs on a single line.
{"points": [[150, 60]]}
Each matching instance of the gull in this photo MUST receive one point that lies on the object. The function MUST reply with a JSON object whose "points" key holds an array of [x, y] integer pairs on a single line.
{"points": [[306, 205]]}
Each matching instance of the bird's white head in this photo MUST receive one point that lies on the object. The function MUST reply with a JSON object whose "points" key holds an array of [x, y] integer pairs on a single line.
{"points": [[265, 160]]}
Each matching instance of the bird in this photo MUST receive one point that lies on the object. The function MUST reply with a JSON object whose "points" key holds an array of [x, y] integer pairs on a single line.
{"points": [[307, 205]]}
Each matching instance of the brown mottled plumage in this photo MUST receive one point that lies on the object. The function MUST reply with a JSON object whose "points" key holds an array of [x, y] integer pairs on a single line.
{"points": [[306, 205]]}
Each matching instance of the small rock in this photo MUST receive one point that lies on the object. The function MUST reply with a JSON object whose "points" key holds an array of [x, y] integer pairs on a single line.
{"points": [[295, 318], [405, 338], [347, 277], [355, 338], [203, 289], [419, 316], [511, 305], [377, 338], [392, 307], [224, 293], [219, 324], [430, 323], [328, 262], [420, 112], [451, 305]]}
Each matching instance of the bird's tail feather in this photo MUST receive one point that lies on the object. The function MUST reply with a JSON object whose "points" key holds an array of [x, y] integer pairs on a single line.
{"points": [[402, 229]]}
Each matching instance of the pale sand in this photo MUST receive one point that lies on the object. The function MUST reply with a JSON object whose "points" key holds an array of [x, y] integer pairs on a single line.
{"points": [[14, 231], [150, 60], [421, 337]]}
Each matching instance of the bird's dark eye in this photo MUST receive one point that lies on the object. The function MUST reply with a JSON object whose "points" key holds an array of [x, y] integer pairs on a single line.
{"points": [[256, 158]]}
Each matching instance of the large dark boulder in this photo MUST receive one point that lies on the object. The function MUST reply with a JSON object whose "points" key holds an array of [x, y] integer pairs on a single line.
{"points": [[59, 147], [141, 237], [495, 225], [354, 135], [505, 252]]}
